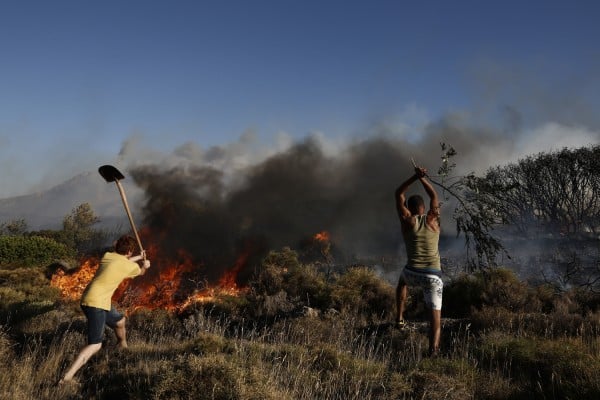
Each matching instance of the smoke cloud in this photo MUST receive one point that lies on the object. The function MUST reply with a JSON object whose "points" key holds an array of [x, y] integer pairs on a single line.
{"points": [[218, 202]]}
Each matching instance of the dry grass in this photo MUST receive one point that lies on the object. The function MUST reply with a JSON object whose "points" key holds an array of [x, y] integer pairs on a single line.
{"points": [[220, 352]]}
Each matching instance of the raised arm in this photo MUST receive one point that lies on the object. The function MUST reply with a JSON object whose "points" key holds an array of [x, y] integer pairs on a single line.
{"points": [[400, 195], [433, 215], [433, 197]]}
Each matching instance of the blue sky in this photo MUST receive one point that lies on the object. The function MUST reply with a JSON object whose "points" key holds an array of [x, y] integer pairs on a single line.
{"points": [[78, 78]]}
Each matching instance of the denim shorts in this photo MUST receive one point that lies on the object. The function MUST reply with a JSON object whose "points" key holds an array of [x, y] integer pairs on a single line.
{"points": [[97, 318]]}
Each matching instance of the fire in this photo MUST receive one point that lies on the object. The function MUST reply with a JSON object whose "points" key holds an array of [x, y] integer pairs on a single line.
{"points": [[322, 243], [72, 285], [322, 236], [169, 285]]}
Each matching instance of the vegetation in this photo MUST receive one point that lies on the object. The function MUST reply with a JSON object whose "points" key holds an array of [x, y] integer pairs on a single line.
{"points": [[299, 333], [78, 231], [302, 331], [31, 250], [544, 201]]}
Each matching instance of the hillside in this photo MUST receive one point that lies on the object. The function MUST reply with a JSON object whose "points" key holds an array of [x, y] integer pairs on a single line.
{"points": [[46, 210]]}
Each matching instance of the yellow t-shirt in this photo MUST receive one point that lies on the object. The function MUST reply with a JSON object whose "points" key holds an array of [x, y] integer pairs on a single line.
{"points": [[113, 269]]}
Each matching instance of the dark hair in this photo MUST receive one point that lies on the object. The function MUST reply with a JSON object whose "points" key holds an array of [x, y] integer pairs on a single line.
{"points": [[414, 202], [125, 244]]}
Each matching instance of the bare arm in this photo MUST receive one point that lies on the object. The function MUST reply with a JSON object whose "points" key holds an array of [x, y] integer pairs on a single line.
{"points": [[400, 195], [142, 262], [434, 203], [433, 215]]}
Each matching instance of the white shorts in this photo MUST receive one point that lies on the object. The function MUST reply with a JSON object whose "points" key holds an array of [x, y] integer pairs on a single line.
{"points": [[432, 286]]}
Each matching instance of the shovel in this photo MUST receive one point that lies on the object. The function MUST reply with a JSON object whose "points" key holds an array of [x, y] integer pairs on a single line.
{"points": [[111, 174]]}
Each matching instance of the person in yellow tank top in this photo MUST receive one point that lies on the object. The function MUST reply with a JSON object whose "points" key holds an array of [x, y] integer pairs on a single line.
{"points": [[96, 299], [421, 233]]}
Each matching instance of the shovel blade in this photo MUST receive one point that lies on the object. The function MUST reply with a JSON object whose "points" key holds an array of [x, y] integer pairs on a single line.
{"points": [[110, 173]]}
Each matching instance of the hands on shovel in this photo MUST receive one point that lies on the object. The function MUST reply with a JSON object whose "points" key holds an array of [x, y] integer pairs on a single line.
{"points": [[419, 171], [140, 257]]}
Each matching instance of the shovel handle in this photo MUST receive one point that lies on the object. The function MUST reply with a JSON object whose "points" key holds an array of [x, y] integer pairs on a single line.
{"points": [[135, 232]]}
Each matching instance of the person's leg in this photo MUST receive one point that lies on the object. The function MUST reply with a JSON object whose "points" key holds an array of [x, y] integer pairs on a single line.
{"points": [[401, 294], [116, 321], [121, 333], [96, 319], [83, 357], [433, 298], [435, 332]]}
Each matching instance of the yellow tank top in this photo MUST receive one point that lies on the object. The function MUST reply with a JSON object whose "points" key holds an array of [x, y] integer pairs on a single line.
{"points": [[422, 246]]}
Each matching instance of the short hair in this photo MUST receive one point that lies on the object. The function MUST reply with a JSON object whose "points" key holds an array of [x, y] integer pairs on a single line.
{"points": [[414, 202], [125, 244]]}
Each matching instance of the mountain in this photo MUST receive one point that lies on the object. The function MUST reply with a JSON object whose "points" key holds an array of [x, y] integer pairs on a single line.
{"points": [[46, 210]]}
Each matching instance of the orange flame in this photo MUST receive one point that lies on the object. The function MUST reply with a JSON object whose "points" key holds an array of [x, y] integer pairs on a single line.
{"points": [[72, 285], [322, 236], [168, 285]]}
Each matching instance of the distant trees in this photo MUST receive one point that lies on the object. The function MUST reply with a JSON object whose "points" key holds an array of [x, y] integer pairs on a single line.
{"points": [[78, 229], [77, 237], [552, 198], [556, 194], [14, 227]]}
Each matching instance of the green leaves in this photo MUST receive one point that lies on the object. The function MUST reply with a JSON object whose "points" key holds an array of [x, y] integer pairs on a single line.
{"points": [[31, 251]]}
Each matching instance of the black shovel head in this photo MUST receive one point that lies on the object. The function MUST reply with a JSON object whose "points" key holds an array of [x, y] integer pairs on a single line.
{"points": [[110, 173]]}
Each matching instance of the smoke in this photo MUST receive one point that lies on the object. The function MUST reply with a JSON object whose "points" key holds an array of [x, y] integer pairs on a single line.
{"points": [[218, 202]]}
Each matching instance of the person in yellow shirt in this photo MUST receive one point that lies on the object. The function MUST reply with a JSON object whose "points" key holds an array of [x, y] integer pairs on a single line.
{"points": [[421, 233], [96, 299]]}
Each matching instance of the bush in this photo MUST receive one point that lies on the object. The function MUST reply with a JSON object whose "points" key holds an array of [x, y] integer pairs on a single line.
{"points": [[283, 285], [497, 287], [461, 295], [31, 251], [361, 290], [271, 276], [502, 288]]}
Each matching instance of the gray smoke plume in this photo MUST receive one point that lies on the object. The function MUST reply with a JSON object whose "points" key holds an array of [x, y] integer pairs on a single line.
{"points": [[219, 202]]}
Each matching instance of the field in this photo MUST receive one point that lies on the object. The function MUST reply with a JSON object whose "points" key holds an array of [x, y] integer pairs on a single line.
{"points": [[299, 333]]}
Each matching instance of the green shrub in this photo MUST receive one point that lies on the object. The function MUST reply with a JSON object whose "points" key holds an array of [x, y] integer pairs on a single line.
{"points": [[502, 288], [361, 290], [461, 295], [271, 276], [308, 285], [31, 251], [496, 287], [283, 284]]}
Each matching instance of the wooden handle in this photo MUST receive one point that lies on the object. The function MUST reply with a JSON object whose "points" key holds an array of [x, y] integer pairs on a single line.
{"points": [[137, 237]]}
